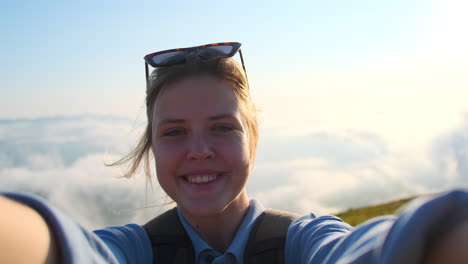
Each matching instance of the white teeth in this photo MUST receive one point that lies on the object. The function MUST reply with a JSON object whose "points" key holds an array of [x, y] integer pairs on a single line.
{"points": [[202, 178]]}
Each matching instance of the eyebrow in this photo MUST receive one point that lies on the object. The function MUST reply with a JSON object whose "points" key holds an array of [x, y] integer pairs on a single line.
{"points": [[181, 121], [222, 116], [170, 121]]}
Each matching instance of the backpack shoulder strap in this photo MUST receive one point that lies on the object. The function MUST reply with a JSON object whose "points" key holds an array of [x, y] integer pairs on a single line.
{"points": [[268, 237], [170, 242]]}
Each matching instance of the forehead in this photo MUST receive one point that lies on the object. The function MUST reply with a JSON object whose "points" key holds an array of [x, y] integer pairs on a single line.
{"points": [[196, 97]]}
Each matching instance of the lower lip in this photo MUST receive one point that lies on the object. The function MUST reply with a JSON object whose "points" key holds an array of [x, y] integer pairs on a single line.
{"points": [[202, 187]]}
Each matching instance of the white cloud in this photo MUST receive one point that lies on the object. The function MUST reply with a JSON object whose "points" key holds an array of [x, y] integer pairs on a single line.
{"points": [[327, 182], [62, 159]]}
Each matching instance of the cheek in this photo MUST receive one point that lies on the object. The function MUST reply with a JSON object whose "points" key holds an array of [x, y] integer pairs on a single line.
{"points": [[166, 167], [245, 148], [249, 141], [165, 157], [239, 152]]}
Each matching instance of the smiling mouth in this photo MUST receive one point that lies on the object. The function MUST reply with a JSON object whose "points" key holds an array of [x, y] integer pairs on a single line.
{"points": [[202, 179]]}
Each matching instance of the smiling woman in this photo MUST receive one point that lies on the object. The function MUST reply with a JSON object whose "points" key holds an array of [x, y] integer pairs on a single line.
{"points": [[202, 132], [202, 159]]}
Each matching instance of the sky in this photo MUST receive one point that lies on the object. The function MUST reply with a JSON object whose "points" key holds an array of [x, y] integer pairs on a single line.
{"points": [[360, 101]]}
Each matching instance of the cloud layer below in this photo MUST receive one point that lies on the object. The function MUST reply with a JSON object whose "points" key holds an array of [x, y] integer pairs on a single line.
{"points": [[62, 159]]}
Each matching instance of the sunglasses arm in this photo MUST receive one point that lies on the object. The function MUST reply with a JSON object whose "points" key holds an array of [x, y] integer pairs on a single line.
{"points": [[146, 71], [243, 65]]}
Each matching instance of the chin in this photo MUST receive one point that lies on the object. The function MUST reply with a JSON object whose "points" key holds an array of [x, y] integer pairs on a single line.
{"points": [[203, 208]]}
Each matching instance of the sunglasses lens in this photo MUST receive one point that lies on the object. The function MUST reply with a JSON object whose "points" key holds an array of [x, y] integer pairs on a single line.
{"points": [[169, 58], [215, 51]]}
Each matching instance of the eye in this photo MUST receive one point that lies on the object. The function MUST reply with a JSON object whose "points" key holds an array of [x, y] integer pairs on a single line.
{"points": [[174, 132], [223, 128]]}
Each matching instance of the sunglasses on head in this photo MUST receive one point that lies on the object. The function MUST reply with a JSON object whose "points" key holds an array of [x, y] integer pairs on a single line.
{"points": [[177, 56]]}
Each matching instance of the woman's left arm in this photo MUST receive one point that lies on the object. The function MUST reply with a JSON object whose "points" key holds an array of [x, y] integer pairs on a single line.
{"points": [[450, 248], [425, 230]]}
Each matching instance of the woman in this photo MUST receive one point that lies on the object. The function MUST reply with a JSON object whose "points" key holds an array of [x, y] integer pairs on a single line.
{"points": [[202, 131]]}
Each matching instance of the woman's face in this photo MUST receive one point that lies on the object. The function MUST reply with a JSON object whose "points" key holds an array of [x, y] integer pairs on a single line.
{"points": [[200, 144]]}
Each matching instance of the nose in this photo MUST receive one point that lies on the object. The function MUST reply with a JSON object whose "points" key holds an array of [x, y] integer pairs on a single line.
{"points": [[200, 148]]}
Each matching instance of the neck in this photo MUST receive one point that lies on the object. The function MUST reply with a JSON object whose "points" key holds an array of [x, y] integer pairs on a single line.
{"points": [[219, 229]]}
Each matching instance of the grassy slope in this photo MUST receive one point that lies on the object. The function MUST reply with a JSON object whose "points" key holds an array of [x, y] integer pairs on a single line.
{"points": [[356, 216]]}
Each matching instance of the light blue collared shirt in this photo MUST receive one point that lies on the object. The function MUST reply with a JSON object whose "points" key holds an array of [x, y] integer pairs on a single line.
{"points": [[310, 239], [205, 254]]}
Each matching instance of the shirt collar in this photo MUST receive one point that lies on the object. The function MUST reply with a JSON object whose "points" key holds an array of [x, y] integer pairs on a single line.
{"points": [[240, 239]]}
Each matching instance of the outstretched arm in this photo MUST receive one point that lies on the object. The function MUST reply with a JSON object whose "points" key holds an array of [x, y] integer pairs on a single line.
{"points": [[25, 236], [450, 248], [434, 230], [34, 231]]}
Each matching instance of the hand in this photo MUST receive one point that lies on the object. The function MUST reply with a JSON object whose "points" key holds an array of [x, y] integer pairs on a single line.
{"points": [[24, 235], [452, 247]]}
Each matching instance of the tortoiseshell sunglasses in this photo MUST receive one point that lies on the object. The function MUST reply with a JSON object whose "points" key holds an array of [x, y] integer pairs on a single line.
{"points": [[177, 56]]}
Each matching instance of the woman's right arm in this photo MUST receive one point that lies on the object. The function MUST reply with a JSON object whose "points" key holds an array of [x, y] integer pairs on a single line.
{"points": [[33, 231], [25, 236]]}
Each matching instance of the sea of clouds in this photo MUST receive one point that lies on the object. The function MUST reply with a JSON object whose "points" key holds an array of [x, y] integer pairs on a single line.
{"points": [[62, 160]]}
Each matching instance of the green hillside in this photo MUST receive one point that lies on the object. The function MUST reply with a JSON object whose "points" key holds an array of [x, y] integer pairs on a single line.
{"points": [[356, 216]]}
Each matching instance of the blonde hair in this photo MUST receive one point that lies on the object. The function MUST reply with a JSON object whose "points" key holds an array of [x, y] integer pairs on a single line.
{"points": [[226, 69]]}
